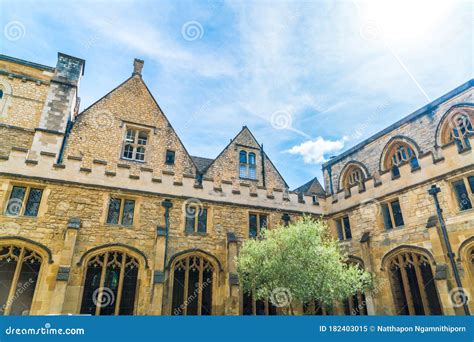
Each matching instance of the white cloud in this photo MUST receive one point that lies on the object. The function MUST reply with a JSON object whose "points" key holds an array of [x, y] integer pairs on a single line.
{"points": [[315, 151]]}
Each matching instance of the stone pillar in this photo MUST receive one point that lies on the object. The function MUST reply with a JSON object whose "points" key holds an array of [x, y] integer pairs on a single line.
{"points": [[159, 264], [369, 266], [232, 306], [60, 106], [65, 263]]}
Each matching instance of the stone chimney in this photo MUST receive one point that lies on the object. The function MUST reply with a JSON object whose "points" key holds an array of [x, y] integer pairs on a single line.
{"points": [[59, 106], [137, 67]]}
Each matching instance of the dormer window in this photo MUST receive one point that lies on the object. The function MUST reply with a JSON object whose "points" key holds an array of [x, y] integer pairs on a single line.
{"points": [[134, 144], [247, 168]]}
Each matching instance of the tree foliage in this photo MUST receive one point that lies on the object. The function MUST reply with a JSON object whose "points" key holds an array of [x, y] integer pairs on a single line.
{"points": [[303, 259]]}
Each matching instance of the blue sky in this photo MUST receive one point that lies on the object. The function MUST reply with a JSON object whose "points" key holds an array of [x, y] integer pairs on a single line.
{"points": [[310, 79]]}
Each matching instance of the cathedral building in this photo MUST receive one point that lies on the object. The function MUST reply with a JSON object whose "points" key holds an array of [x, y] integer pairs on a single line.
{"points": [[104, 212]]}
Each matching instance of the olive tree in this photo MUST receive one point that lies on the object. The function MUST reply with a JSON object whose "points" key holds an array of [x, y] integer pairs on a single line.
{"points": [[299, 262]]}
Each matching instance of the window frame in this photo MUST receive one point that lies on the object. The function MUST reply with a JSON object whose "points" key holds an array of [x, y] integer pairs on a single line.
{"points": [[249, 167], [134, 144], [24, 200], [197, 209], [342, 228], [389, 205], [122, 199], [469, 191], [173, 153], [259, 226]]}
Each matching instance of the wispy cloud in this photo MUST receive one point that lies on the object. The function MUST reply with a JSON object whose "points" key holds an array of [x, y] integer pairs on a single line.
{"points": [[317, 151]]}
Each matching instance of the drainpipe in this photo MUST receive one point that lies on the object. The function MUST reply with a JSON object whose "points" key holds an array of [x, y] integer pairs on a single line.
{"points": [[263, 166], [167, 204], [63, 144], [433, 191], [330, 179]]}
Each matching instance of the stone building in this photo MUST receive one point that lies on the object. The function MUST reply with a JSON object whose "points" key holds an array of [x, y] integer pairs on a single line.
{"points": [[105, 212]]}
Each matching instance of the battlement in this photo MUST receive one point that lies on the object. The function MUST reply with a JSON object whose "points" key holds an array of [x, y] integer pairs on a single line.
{"points": [[148, 180], [431, 168]]}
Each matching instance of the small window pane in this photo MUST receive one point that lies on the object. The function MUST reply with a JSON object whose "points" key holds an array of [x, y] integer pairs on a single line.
{"points": [[253, 225], [16, 200], [128, 152], [114, 211], [461, 195], [170, 157], [397, 213], [340, 233], [140, 155], [202, 220], [130, 137], [252, 158], [414, 163], [243, 171], [252, 173], [128, 209], [34, 199], [471, 183], [395, 171], [142, 138], [347, 227], [243, 157], [387, 220], [263, 222], [190, 219], [1, 94]]}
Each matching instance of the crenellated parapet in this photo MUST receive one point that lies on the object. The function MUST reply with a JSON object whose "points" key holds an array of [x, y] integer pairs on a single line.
{"points": [[150, 181]]}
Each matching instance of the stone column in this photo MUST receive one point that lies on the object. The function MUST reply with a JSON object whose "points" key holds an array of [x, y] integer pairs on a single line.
{"points": [[65, 263], [158, 307], [232, 306], [369, 266]]}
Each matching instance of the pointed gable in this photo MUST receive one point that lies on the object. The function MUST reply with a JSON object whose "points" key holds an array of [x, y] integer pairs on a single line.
{"points": [[255, 169], [313, 187], [100, 132]]}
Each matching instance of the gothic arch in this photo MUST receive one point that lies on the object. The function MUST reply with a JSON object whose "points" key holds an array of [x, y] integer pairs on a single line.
{"points": [[349, 165], [114, 246], [444, 121], [183, 254], [406, 248], [356, 260], [387, 150], [31, 244], [6, 98]]}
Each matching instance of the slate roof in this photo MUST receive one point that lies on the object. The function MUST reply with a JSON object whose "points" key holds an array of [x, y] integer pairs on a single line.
{"points": [[202, 163], [313, 187]]}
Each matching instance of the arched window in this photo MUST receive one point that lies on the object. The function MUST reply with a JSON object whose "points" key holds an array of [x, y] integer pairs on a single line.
{"points": [[353, 176], [398, 154], [457, 128], [257, 307], [413, 286], [247, 166], [192, 286], [19, 270], [1, 93], [110, 285]]}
